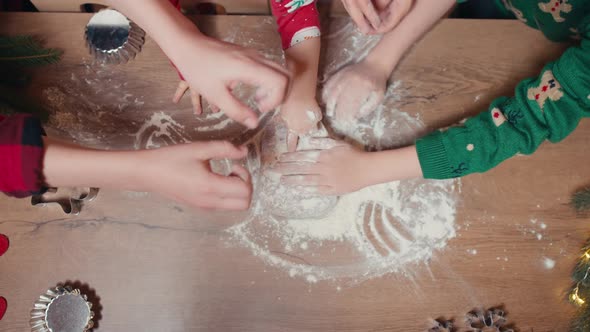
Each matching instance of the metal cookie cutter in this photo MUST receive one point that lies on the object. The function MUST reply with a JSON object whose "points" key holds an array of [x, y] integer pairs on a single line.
{"points": [[70, 203], [62, 309], [112, 38]]}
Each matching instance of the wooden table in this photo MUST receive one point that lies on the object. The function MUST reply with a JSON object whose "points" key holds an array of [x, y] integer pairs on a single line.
{"points": [[157, 266]]}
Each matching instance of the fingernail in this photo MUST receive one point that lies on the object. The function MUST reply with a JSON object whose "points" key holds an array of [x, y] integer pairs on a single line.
{"points": [[251, 123]]}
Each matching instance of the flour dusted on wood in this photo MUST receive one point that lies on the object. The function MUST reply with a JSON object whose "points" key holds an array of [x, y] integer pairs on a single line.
{"points": [[382, 229], [287, 201], [160, 130], [388, 228]]}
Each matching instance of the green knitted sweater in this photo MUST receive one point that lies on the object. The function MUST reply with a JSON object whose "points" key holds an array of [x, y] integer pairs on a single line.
{"points": [[548, 107]]}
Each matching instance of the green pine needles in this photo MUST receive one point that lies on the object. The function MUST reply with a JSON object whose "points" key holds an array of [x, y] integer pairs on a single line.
{"points": [[24, 51], [16, 54], [579, 294], [581, 200]]}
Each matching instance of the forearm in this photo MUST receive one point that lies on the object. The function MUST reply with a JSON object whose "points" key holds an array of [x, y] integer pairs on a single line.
{"points": [[392, 47], [302, 62], [393, 165], [67, 165], [546, 108]]}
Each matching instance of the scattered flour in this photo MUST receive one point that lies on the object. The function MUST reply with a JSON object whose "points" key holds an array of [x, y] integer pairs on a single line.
{"points": [[352, 47], [159, 130], [288, 201], [548, 263], [387, 228], [537, 233]]}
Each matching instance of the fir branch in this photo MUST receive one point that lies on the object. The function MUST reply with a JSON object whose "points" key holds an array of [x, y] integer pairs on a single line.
{"points": [[26, 51], [581, 200], [579, 293], [17, 41]]}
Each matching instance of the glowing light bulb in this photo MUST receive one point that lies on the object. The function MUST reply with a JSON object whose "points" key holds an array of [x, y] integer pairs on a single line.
{"points": [[575, 298]]}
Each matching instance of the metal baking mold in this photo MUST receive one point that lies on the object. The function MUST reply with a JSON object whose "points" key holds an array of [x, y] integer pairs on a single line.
{"points": [[112, 38], [62, 309]]}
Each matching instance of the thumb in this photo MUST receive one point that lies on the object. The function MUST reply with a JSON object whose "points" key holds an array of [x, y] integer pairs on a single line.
{"points": [[220, 150], [394, 14], [236, 110]]}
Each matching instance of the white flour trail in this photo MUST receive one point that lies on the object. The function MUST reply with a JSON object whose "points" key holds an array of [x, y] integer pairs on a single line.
{"points": [[160, 130]]}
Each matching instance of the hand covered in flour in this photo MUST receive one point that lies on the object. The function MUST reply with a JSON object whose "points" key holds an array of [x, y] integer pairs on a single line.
{"points": [[183, 173], [355, 91], [333, 167], [301, 117], [377, 16], [329, 167]]}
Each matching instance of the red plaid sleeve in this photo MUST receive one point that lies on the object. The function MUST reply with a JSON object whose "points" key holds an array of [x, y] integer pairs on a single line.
{"points": [[297, 20], [21, 155]]}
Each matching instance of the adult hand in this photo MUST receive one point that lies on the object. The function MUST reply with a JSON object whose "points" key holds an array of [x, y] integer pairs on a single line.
{"points": [[355, 91], [183, 172], [182, 89], [377, 16], [209, 66], [214, 68]]}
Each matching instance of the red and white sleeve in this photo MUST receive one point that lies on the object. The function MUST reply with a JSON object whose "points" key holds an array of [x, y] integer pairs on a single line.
{"points": [[297, 20]]}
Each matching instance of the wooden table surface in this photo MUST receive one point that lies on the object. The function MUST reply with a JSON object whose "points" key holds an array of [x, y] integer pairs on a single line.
{"points": [[158, 266]]}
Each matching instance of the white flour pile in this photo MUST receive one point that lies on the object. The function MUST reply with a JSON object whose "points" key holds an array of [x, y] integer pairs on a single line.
{"points": [[382, 229], [388, 228], [287, 201]]}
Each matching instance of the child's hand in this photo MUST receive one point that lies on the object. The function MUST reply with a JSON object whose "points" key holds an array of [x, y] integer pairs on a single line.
{"points": [[301, 117], [355, 91], [183, 173], [392, 12], [330, 167]]}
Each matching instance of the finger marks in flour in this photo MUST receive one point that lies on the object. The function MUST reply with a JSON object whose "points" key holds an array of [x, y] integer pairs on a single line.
{"points": [[383, 231]]}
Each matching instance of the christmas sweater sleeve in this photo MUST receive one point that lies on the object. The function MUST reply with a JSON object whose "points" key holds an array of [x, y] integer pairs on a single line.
{"points": [[297, 20], [21, 155], [548, 107]]}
